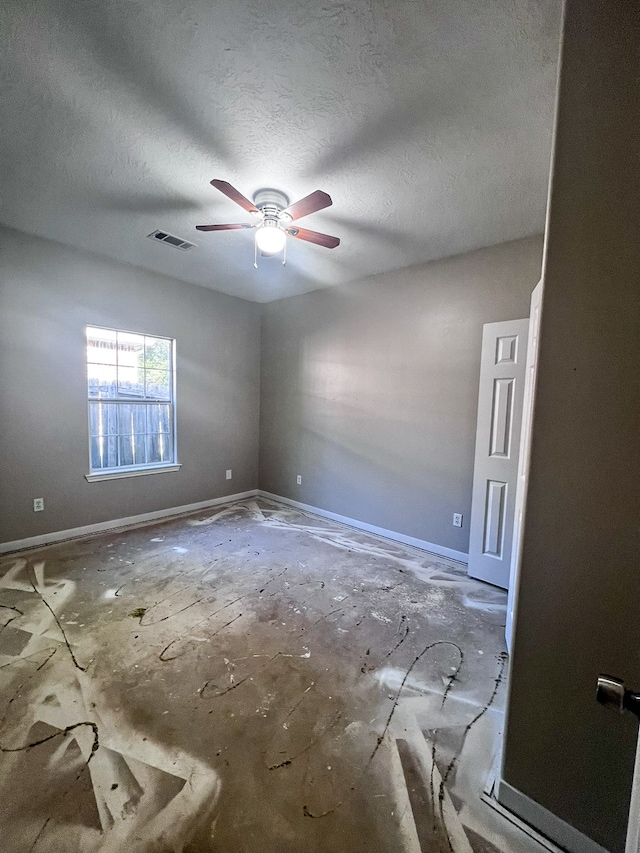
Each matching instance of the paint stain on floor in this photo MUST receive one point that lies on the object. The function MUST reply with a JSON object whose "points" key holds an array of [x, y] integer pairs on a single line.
{"points": [[240, 680]]}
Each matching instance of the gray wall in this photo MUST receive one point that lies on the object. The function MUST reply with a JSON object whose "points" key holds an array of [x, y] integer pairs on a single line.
{"points": [[48, 294], [369, 391], [577, 612]]}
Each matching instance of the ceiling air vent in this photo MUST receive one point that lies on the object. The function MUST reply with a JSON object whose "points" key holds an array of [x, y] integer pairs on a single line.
{"points": [[171, 240]]}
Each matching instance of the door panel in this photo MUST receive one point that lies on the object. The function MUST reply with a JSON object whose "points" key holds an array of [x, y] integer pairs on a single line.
{"points": [[502, 372], [493, 543], [501, 417]]}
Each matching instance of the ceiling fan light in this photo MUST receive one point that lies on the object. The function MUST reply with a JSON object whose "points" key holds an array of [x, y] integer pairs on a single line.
{"points": [[270, 239]]}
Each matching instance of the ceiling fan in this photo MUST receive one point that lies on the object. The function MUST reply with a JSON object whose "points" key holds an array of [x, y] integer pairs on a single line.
{"points": [[274, 216]]}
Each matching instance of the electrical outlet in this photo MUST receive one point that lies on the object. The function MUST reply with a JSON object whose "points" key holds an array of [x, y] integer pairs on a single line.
{"points": [[229, 474], [38, 504], [457, 519], [299, 480]]}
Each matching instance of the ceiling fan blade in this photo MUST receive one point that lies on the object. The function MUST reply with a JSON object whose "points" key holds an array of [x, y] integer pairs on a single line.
{"points": [[314, 237], [234, 195], [309, 204], [224, 227]]}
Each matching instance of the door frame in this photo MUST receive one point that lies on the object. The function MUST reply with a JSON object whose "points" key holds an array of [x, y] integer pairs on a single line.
{"points": [[535, 316]]}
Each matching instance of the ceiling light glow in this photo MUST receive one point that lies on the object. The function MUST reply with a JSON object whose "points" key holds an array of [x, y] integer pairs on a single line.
{"points": [[270, 239]]}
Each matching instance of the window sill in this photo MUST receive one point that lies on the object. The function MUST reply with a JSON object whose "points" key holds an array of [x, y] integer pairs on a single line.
{"points": [[119, 474]]}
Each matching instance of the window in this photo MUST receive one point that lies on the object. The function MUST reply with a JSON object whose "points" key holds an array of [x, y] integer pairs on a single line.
{"points": [[131, 403]]}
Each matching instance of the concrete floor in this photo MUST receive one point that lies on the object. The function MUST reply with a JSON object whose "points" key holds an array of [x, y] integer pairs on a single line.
{"points": [[249, 678]]}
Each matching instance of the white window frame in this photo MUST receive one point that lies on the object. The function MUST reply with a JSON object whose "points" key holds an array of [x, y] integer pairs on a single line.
{"points": [[122, 471]]}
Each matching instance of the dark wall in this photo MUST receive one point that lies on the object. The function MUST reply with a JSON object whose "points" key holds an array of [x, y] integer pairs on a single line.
{"points": [[577, 612]]}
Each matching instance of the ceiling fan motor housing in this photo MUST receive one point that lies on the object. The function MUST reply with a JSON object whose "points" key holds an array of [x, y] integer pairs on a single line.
{"points": [[270, 202]]}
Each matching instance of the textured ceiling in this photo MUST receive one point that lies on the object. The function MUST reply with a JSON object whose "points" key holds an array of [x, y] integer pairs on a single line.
{"points": [[428, 122]]}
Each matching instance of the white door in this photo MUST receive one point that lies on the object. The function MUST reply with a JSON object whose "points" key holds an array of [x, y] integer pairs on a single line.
{"points": [[525, 456], [495, 473]]}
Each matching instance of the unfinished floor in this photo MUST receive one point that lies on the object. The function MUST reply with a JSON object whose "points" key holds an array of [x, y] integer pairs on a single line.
{"points": [[248, 678]]}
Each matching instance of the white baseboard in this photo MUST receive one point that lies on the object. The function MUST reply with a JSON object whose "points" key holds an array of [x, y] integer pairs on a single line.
{"points": [[545, 822], [117, 523], [542, 842], [144, 518], [441, 551]]}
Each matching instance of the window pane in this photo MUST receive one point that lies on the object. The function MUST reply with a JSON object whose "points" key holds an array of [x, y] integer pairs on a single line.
{"points": [[131, 419], [158, 417], [126, 450], [103, 418], [130, 381], [159, 448], [139, 449], [130, 364], [101, 345], [97, 452], [132, 450], [139, 419], [153, 418], [166, 418], [153, 450], [112, 452], [158, 384], [165, 445], [102, 380], [129, 342], [157, 353], [104, 452]]}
